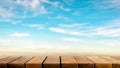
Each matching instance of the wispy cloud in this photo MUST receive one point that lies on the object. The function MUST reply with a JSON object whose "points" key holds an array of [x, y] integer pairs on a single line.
{"points": [[76, 25], [20, 9], [36, 6], [38, 26], [88, 31], [55, 3], [72, 40], [33, 5], [57, 30], [107, 32], [62, 17], [69, 2], [10, 21], [64, 31], [106, 4], [65, 9], [5, 13], [16, 34]]}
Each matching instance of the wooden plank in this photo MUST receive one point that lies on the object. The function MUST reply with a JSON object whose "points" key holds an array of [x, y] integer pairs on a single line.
{"points": [[52, 62], [116, 57], [115, 62], [68, 62], [84, 62], [100, 63], [1, 57], [5, 61], [19, 63], [35, 62]]}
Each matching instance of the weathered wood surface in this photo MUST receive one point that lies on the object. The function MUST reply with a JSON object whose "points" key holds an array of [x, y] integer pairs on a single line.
{"points": [[35, 62], [52, 62], [84, 62], [5, 61], [115, 62], [100, 62], [60, 62], [1, 57], [19, 63], [68, 62], [116, 57]]}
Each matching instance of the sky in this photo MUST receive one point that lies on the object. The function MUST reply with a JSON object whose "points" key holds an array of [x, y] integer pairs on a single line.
{"points": [[61, 27]]}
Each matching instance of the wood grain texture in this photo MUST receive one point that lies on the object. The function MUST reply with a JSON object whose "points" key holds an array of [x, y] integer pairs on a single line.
{"points": [[1, 57], [115, 62], [100, 63], [60, 62], [35, 62], [68, 62], [19, 63], [116, 57], [5, 61], [52, 62], [84, 62]]}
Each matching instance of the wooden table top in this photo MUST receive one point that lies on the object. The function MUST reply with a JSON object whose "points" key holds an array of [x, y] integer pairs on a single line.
{"points": [[60, 62]]}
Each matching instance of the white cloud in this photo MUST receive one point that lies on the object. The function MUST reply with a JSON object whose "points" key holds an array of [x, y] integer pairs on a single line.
{"points": [[38, 26], [72, 25], [107, 30], [60, 17], [114, 23], [16, 34], [34, 25], [65, 9], [59, 30], [43, 10], [69, 2], [49, 2], [106, 4], [20, 9], [63, 18], [72, 40], [16, 21], [5, 13], [10, 21], [37, 7], [35, 4]]}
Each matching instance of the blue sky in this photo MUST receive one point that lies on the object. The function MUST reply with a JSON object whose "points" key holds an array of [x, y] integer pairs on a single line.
{"points": [[60, 26]]}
